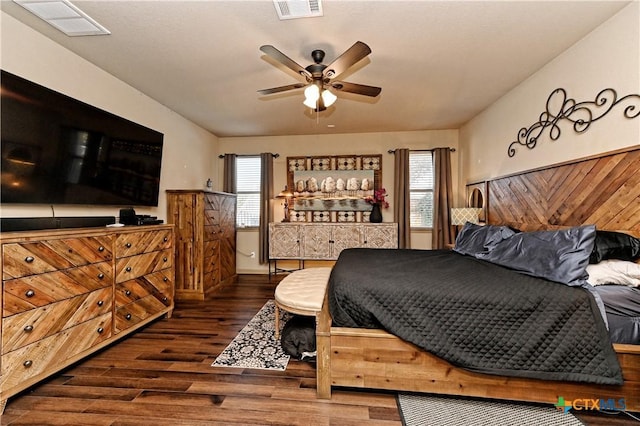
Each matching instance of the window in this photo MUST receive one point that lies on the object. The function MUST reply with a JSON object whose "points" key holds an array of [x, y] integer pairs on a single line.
{"points": [[421, 189], [248, 191]]}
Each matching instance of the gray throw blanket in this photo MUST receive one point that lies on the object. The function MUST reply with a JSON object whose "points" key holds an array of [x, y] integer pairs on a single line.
{"points": [[475, 314]]}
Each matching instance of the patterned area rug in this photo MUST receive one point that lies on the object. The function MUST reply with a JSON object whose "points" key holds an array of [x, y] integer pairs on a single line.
{"points": [[429, 410], [256, 345]]}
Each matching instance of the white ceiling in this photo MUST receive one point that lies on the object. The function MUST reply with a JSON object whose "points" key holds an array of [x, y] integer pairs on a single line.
{"points": [[439, 63]]}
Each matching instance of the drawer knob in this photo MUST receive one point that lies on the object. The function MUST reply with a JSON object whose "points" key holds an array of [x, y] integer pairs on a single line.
{"points": [[164, 259], [128, 245], [128, 269], [101, 248], [100, 275], [28, 363], [100, 330], [165, 298], [165, 279], [28, 328], [128, 292], [100, 302], [29, 259], [30, 293], [128, 317], [165, 239]]}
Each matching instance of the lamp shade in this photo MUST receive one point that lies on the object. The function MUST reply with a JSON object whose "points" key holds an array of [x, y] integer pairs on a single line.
{"points": [[309, 103], [460, 216], [311, 94], [285, 193], [328, 98]]}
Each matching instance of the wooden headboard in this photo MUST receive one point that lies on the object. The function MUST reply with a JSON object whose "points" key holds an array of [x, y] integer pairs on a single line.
{"points": [[602, 190]]}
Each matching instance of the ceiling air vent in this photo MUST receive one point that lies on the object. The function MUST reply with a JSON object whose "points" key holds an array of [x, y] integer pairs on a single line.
{"points": [[292, 9], [64, 16]]}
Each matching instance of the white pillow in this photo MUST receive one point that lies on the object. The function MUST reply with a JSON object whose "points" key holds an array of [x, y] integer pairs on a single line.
{"points": [[614, 271]]}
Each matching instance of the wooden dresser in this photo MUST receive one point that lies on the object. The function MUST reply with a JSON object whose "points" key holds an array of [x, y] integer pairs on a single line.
{"points": [[205, 224], [325, 241], [68, 292]]}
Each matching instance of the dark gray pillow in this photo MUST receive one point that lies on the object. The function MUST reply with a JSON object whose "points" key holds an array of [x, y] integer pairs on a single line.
{"points": [[614, 245], [474, 239], [560, 256]]}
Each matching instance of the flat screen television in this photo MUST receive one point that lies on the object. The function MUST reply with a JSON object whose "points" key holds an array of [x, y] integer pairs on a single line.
{"points": [[58, 150]]}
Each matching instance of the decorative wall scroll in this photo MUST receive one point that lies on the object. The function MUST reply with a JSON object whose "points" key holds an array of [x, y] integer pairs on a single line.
{"points": [[581, 114], [332, 188]]}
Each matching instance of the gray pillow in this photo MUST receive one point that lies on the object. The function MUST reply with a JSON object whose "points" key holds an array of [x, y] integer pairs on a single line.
{"points": [[474, 239], [560, 256]]}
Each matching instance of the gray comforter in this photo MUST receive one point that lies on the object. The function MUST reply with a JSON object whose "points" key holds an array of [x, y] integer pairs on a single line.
{"points": [[475, 314]]}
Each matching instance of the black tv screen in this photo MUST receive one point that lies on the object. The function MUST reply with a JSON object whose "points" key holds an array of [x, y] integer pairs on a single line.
{"points": [[58, 150]]}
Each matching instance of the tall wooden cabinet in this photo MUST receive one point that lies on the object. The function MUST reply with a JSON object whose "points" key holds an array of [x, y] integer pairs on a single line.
{"points": [[67, 293], [205, 225]]}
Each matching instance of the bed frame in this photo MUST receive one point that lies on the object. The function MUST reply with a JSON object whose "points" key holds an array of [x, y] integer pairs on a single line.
{"points": [[603, 190]]}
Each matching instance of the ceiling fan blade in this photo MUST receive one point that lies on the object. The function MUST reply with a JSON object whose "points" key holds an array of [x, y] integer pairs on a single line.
{"points": [[281, 88], [351, 56], [285, 60], [359, 89]]}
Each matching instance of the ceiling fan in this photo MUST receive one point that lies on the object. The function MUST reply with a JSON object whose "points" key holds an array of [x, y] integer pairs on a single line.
{"points": [[320, 77]]}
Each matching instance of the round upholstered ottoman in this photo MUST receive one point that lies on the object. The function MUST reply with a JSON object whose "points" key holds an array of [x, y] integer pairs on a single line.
{"points": [[301, 292]]}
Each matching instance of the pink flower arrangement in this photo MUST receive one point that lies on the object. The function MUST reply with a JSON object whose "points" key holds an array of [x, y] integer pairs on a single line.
{"points": [[378, 198]]}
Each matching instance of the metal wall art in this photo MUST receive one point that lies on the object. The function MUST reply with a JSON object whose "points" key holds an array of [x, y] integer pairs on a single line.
{"points": [[581, 114]]}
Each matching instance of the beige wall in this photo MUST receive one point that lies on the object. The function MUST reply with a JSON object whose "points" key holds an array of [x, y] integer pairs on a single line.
{"points": [[608, 57], [360, 143], [188, 153]]}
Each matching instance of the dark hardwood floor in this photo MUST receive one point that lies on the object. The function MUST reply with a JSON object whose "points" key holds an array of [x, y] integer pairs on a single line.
{"points": [[162, 375]]}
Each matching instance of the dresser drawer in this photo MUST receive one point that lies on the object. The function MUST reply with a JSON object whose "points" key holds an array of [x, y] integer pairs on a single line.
{"points": [[132, 267], [211, 202], [210, 261], [30, 326], [156, 283], [34, 291], [133, 313], [212, 233], [211, 217], [30, 258], [45, 354], [133, 243]]}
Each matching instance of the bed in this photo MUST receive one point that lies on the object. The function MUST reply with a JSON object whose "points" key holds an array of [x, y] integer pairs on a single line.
{"points": [[374, 358]]}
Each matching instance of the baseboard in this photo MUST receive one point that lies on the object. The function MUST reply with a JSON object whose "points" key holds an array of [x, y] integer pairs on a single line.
{"points": [[264, 271]]}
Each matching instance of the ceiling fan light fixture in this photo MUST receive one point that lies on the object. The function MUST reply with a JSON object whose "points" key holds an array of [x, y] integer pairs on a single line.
{"points": [[312, 93], [328, 98], [319, 76], [311, 104]]}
